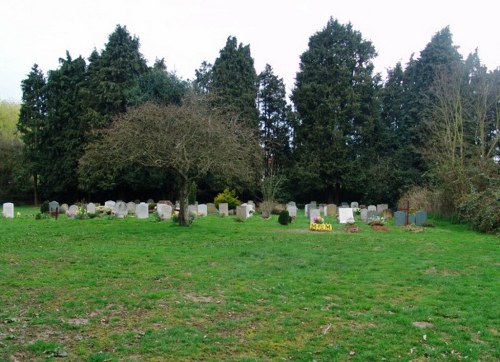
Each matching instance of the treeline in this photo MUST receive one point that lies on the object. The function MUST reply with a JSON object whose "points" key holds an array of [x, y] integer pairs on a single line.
{"points": [[347, 134]]}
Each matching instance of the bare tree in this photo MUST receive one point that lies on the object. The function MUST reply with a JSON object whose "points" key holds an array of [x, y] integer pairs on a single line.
{"points": [[190, 140]]}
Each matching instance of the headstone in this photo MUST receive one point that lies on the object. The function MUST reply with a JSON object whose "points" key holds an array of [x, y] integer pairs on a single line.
{"points": [[364, 215], [241, 212], [151, 201], [344, 204], [72, 211], [314, 204], [224, 209], [381, 208], [110, 204], [331, 210], [193, 209], [91, 208], [251, 204], [420, 218], [306, 209], [63, 208], [131, 207], [121, 209], [371, 214], [177, 205], [202, 210], [354, 205], [164, 211], [142, 211], [387, 214], [372, 208], [292, 210], [211, 209], [345, 215], [313, 214], [54, 208], [8, 210], [248, 210], [399, 218], [291, 203]]}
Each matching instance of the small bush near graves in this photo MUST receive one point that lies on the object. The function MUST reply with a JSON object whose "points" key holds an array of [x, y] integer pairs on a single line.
{"points": [[284, 218], [44, 208], [229, 197], [482, 211]]}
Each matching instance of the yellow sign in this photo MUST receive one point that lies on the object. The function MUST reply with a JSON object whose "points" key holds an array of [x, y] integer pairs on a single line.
{"points": [[320, 227]]}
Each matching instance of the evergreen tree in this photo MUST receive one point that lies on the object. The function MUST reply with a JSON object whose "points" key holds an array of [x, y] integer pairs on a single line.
{"points": [[32, 123], [234, 82], [335, 99], [66, 128]]}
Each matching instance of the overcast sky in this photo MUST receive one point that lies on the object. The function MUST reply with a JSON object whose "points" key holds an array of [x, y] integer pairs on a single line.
{"points": [[186, 32]]}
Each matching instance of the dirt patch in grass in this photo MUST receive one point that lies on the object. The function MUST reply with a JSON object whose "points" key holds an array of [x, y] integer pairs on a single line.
{"points": [[422, 325], [352, 229], [202, 299], [380, 228]]}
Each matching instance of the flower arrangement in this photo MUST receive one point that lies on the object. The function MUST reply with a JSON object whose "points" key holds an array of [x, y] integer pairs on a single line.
{"points": [[318, 220]]}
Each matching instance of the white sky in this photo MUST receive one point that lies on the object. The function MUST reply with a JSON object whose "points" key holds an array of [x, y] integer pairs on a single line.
{"points": [[186, 32]]}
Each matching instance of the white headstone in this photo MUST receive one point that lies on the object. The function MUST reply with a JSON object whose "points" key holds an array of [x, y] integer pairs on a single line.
{"points": [[164, 211], [71, 212], [131, 207], [202, 210], [8, 210], [109, 203], [63, 208], [314, 213], [364, 215], [292, 210], [292, 203], [306, 209], [381, 208], [142, 211], [345, 215], [91, 208], [242, 212], [354, 205], [372, 208], [224, 209], [121, 209]]}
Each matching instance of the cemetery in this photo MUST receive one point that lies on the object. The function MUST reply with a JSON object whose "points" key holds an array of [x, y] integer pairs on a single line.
{"points": [[129, 281]]}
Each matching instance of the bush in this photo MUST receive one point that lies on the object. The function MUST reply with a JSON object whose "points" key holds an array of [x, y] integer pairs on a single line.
{"points": [[44, 208], [284, 218], [229, 197], [482, 211], [419, 198]]}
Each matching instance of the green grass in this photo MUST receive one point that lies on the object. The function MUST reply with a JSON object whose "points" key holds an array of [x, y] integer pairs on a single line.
{"points": [[139, 290]]}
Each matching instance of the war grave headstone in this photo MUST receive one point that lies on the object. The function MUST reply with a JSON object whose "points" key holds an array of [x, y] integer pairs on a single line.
{"points": [[224, 209], [164, 211], [91, 208], [202, 210], [8, 210], [142, 211], [420, 218], [121, 209], [345, 215]]}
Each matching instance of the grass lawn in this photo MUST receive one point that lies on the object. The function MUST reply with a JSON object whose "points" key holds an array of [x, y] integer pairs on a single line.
{"points": [[221, 290]]}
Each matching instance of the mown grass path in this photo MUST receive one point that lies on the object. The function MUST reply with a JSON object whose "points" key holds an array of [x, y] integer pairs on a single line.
{"points": [[221, 290]]}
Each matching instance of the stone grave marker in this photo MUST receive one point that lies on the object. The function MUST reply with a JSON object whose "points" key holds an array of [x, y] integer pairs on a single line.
{"points": [[211, 209], [314, 213], [71, 212], [164, 211], [248, 210], [224, 209], [306, 209], [110, 203], [345, 215], [202, 210], [399, 218], [241, 212], [331, 210], [371, 214], [193, 209], [142, 211], [131, 207], [291, 203], [292, 210], [121, 209], [354, 205], [91, 208], [63, 208], [314, 204], [387, 214], [372, 208], [54, 208], [420, 218], [364, 215], [381, 208], [150, 201], [8, 210], [344, 204]]}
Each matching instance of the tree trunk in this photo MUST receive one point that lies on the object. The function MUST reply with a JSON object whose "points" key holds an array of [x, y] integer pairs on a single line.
{"points": [[333, 193], [183, 201], [35, 189]]}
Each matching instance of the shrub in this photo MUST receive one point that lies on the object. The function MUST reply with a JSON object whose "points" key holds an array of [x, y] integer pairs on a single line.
{"points": [[482, 211], [44, 208], [419, 198], [284, 218], [229, 197]]}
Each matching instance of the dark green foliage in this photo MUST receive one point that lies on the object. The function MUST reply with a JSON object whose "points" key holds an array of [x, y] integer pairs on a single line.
{"points": [[284, 217], [482, 211], [233, 83], [44, 207], [335, 99]]}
